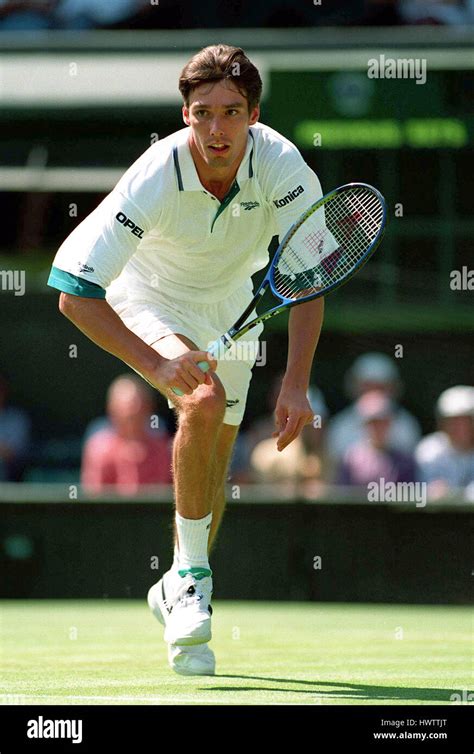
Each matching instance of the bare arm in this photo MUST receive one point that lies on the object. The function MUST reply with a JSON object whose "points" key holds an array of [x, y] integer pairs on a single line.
{"points": [[304, 329], [96, 319], [292, 410]]}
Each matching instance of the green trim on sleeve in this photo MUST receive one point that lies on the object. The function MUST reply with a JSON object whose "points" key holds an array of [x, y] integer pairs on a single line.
{"points": [[69, 283]]}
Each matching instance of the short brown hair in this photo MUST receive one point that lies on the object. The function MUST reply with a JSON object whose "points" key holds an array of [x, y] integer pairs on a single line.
{"points": [[218, 63]]}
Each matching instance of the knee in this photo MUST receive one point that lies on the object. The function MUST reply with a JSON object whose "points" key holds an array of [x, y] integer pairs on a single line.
{"points": [[206, 405]]}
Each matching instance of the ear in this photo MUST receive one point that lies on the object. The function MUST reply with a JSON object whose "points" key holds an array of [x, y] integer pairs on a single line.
{"points": [[254, 115], [185, 113]]}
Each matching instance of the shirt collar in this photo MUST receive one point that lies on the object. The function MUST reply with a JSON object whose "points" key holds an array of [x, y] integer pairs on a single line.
{"points": [[185, 169]]}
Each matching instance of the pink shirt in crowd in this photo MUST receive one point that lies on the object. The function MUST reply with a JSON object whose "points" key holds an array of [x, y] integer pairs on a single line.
{"points": [[109, 459]]}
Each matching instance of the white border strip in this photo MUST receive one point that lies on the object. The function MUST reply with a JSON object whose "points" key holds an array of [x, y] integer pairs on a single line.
{"points": [[76, 79], [59, 179]]}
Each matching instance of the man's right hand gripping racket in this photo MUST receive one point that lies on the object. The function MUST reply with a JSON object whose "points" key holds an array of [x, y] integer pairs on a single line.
{"points": [[327, 245]]}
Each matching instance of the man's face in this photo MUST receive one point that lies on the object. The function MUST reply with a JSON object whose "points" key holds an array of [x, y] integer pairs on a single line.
{"points": [[219, 119], [365, 386], [129, 410], [460, 430], [378, 431]]}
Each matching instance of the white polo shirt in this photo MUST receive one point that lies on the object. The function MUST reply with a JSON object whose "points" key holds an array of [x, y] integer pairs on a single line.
{"points": [[160, 230]]}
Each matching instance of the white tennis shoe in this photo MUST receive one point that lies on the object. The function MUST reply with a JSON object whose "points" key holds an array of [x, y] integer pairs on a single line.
{"points": [[182, 605], [198, 659]]}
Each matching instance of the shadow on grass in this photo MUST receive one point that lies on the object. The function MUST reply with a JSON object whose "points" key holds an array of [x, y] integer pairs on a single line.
{"points": [[340, 690]]}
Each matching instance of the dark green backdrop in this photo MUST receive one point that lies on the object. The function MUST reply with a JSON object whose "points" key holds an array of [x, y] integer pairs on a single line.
{"points": [[370, 553]]}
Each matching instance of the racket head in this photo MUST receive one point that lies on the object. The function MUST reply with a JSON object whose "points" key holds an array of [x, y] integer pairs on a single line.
{"points": [[328, 244]]}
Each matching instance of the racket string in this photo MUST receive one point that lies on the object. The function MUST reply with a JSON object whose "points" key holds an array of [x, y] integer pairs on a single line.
{"points": [[328, 243]]}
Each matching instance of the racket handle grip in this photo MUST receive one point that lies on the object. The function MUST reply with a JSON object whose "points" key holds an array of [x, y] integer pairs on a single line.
{"points": [[203, 366], [216, 350]]}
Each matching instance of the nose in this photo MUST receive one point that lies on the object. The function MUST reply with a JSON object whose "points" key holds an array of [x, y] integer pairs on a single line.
{"points": [[216, 128]]}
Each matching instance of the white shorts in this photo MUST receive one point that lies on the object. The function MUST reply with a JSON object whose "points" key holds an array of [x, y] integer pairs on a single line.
{"points": [[202, 323]]}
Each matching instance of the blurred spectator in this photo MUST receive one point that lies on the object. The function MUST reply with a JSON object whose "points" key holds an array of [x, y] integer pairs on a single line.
{"points": [[128, 453], [372, 371], [446, 457], [14, 438], [89, 14], [239, 468], [371, 458], [454, 12], [304, 458], [26, 15]]}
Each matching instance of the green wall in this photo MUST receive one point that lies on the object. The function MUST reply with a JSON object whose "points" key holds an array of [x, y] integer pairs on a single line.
{"points": [[264, 551]]}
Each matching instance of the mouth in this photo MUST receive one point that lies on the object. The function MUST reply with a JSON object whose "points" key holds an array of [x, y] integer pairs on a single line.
{"points": [[219, 148]]}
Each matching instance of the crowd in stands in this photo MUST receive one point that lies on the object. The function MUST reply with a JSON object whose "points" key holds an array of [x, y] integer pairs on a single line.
{"points": [[39, 15], [373, 438]]}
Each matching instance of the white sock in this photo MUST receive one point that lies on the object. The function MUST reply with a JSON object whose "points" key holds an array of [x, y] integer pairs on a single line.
{"points": [[193, 538], [175, 563]]}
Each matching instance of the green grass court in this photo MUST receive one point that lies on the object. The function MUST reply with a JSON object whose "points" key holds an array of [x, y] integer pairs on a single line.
{"points": [[111, 651]]}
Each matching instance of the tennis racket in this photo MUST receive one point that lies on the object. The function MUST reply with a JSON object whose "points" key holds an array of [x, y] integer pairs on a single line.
{"points": [[329, 243]]}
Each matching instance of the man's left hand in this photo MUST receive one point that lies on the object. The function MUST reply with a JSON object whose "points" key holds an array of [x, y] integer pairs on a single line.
{"points": [[292, 413]]}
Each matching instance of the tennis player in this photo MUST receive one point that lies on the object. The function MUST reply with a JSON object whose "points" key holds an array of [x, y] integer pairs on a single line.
{"points": [[161, 268]]}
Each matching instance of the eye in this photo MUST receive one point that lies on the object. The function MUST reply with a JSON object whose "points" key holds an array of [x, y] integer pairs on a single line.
{"points": [[232, 110], [200, 113]]}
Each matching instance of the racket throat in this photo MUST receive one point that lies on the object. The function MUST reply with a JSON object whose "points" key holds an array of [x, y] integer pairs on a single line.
{"points": [[223, 344]]}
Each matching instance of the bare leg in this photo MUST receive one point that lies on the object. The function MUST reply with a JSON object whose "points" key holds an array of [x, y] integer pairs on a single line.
{"points": [[225, 443], [200, 418], [201, 450]]}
